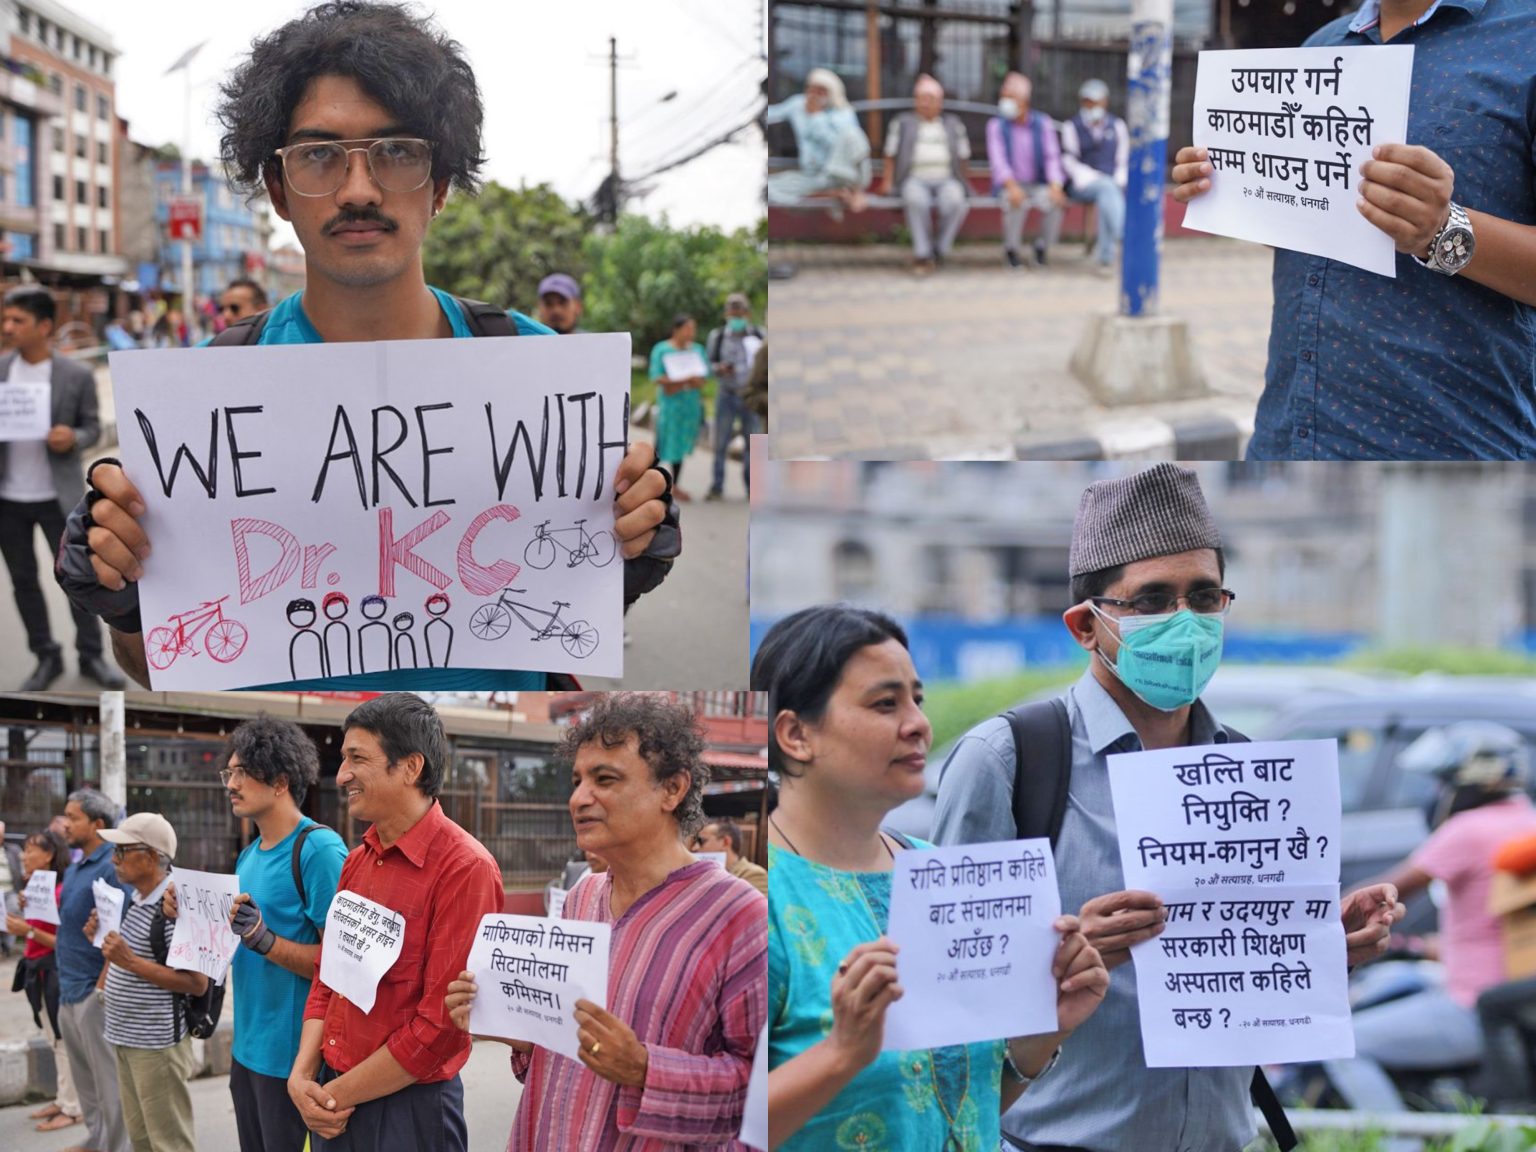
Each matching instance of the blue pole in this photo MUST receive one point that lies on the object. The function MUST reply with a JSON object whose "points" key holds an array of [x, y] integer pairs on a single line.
{"points": [[1151, 78]]}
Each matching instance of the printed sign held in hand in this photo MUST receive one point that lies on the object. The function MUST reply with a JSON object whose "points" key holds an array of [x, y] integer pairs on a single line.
{"points": [[337, 509], [530, 972], [973, 924], [25, 409], [41, 893], [754, 1122], [109, 909], [203, 941], [684, 364], [1288, 130], [362, 942]]}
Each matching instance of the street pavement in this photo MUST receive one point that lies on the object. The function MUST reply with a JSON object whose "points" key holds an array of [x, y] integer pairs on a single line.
{"points": [[870, 361]]}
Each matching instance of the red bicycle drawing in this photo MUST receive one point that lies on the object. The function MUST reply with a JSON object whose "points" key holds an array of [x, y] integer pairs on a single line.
{"points": [[225, 639]]}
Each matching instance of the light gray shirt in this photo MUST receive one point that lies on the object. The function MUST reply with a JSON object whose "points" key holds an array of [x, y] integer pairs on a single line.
{"points": [[1101, 1096]]}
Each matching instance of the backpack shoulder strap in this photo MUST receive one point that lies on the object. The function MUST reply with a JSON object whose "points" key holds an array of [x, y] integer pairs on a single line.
{"points": [[298, 873], [1262, 1093], [486, 319], [1045, 730], [157, 944], [900, 837], [716, 338], [246, 331]]}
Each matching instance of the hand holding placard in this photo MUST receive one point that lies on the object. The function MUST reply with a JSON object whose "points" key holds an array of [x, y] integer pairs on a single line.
{"points": [[40, 896], [109, 909], [530, 972]]}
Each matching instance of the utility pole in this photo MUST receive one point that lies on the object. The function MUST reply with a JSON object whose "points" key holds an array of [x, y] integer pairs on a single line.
{"points": [[613, 128]]}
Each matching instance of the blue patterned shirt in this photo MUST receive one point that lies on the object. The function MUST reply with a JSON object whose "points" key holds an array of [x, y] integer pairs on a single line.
{"points": [[1424, 366]]}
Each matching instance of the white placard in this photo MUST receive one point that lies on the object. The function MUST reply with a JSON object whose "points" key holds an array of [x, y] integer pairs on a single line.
{"points": [[750, 345], [754, 1122], [26, 408], [1288, 130], [530, 972], [203, 941], [330, 509], [556, 903], [362, 942], [1241, 815], [717, 857], [972, 923], [1240, 978], [109, 909], [684, 364], [1240, 841], [42, 896]]}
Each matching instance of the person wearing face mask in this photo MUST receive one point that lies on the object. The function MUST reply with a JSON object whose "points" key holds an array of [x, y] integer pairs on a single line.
{"points": [[731, 350], [1146, 566], [1025, 158], [1095, 149]]}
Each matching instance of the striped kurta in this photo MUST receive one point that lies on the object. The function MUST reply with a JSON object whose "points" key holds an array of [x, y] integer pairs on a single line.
{"points": [[688, 973]]}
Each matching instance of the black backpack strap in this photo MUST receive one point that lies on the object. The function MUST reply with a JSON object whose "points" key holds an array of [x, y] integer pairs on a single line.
{"points": [[486, 319], [1046, 731], [1265, 1100], [298, 873], [246, 331], [900, 837], [157, 944]]}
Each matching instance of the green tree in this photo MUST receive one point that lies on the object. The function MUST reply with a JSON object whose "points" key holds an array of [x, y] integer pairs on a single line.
{"points": [[497, 246]]}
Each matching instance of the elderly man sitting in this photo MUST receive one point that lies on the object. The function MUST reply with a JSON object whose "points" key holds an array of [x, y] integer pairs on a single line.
{"points": [[925, 155]]}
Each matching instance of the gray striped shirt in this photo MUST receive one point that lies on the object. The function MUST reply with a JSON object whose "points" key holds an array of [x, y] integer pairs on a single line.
{"points": [[139, 1015]]}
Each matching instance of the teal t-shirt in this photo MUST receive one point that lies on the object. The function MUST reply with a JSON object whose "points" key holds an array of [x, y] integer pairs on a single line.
{"points": [[289, 325], [269, 999]]}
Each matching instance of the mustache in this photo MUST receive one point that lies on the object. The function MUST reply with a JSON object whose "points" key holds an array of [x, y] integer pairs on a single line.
{"points": [[372, 216]]}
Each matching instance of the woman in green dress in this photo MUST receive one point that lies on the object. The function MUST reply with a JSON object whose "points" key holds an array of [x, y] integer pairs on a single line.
{"points": [[849, 740], [679, 402]]}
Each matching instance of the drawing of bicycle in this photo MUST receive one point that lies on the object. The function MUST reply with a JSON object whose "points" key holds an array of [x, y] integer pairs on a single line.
{"points": [[224, 640], [547, 543], [492, 622]]}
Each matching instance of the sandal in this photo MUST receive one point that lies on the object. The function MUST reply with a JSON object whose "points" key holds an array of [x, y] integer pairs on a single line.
{"points": [[62, 1120]]}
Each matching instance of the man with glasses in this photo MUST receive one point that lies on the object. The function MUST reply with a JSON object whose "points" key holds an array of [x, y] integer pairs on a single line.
{"points": [[1148, 606], [354, 119], [242, 298], [87, 814]]}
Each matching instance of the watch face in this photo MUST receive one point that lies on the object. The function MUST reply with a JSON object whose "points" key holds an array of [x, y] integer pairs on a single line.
{"points": [[1454, 249]]}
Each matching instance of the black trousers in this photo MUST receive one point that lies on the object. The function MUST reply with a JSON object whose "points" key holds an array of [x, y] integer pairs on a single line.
{"points": [[17, 522], [265, 1117], [418, 1118]]}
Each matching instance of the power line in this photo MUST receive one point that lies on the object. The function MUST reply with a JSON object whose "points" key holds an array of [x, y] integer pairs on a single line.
{"points": [[695, 103], [696, 153], [714, 125]]}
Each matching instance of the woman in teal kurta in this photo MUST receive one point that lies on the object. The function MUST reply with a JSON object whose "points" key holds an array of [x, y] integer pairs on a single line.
{"points": [[679, 403], [848, 738]]}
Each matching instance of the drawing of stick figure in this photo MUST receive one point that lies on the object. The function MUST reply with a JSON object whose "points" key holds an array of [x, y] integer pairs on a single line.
{"points": [[437, 607], [374, 634], [301, 614], [404, 639], [338, 634]]}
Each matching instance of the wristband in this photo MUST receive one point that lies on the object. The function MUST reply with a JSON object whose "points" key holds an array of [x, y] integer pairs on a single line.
{"points": [[260, 940]]}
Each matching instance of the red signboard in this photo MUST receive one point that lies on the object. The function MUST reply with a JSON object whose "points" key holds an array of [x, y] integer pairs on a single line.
{"points": [[186, 220]]}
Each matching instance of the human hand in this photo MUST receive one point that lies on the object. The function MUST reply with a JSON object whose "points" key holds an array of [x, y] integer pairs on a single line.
{"points": [[1015, 194], [90, 926], [116, 951], [1115, 921], [609, 1046], [1368, 915], [16, 926], [1058, 195], [1081, 977], [168, 905], [118, 545], [638, 508], [1406, 192], [864, 987], [461, 994], [61, 438], [1191, 174], [317, 1107]]}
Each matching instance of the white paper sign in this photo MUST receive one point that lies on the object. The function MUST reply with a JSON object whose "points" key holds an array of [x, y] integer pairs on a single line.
{"points": [[973, 924], [1241, 978], [1288, 130], [530, 972], [750, 345], [203, 941], [754, 1123], [1241, 843], [42, 896], [109, 909], [717, 857], [556, 903], [685, 364], [25, 409], [362, 942], [331, 509]]}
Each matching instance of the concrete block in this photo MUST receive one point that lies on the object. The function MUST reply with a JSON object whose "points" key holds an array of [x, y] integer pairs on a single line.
{"points": [[42, 1069], [1210, 438], [1137, 360]]}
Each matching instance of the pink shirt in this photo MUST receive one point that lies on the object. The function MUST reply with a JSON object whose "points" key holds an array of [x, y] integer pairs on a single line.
{"points": [[1460, 853]]}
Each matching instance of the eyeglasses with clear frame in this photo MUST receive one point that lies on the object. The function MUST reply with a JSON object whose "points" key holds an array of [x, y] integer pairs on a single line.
{"points": [[319, 167], [121, 851], [228, 774], [1202, 602]]}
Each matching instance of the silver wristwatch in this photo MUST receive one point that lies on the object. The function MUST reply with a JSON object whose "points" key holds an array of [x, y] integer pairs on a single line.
{"points": [[1452, 249]]}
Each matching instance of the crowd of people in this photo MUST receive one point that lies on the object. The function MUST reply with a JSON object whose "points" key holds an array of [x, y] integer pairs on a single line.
{"points": [[664, 1066]]}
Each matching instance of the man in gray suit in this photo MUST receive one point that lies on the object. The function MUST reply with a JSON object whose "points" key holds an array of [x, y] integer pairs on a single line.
{"points": [[40, 480]]}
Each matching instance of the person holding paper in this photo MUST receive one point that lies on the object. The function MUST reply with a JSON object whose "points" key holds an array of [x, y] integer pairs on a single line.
{"points": [[87, 813], [1025, 158], [144, 1022], [40, 479], [1366, 367], [665, 1067], [1146, 567], [680, 368], [850, 741], [925, 156], [730, 351], [387, 1080], [46, 851], [402, 96]]}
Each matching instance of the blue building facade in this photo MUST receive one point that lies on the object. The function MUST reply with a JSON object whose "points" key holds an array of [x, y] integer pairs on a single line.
{"points": [[231, 244]]}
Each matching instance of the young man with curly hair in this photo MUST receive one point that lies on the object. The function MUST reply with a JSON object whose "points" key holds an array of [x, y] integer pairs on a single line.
{"points": [[355, 119], [664, 1068]]}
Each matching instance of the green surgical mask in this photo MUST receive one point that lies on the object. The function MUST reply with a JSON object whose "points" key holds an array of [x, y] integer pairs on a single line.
{"points": [[1166, 660], [737, 323]]}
